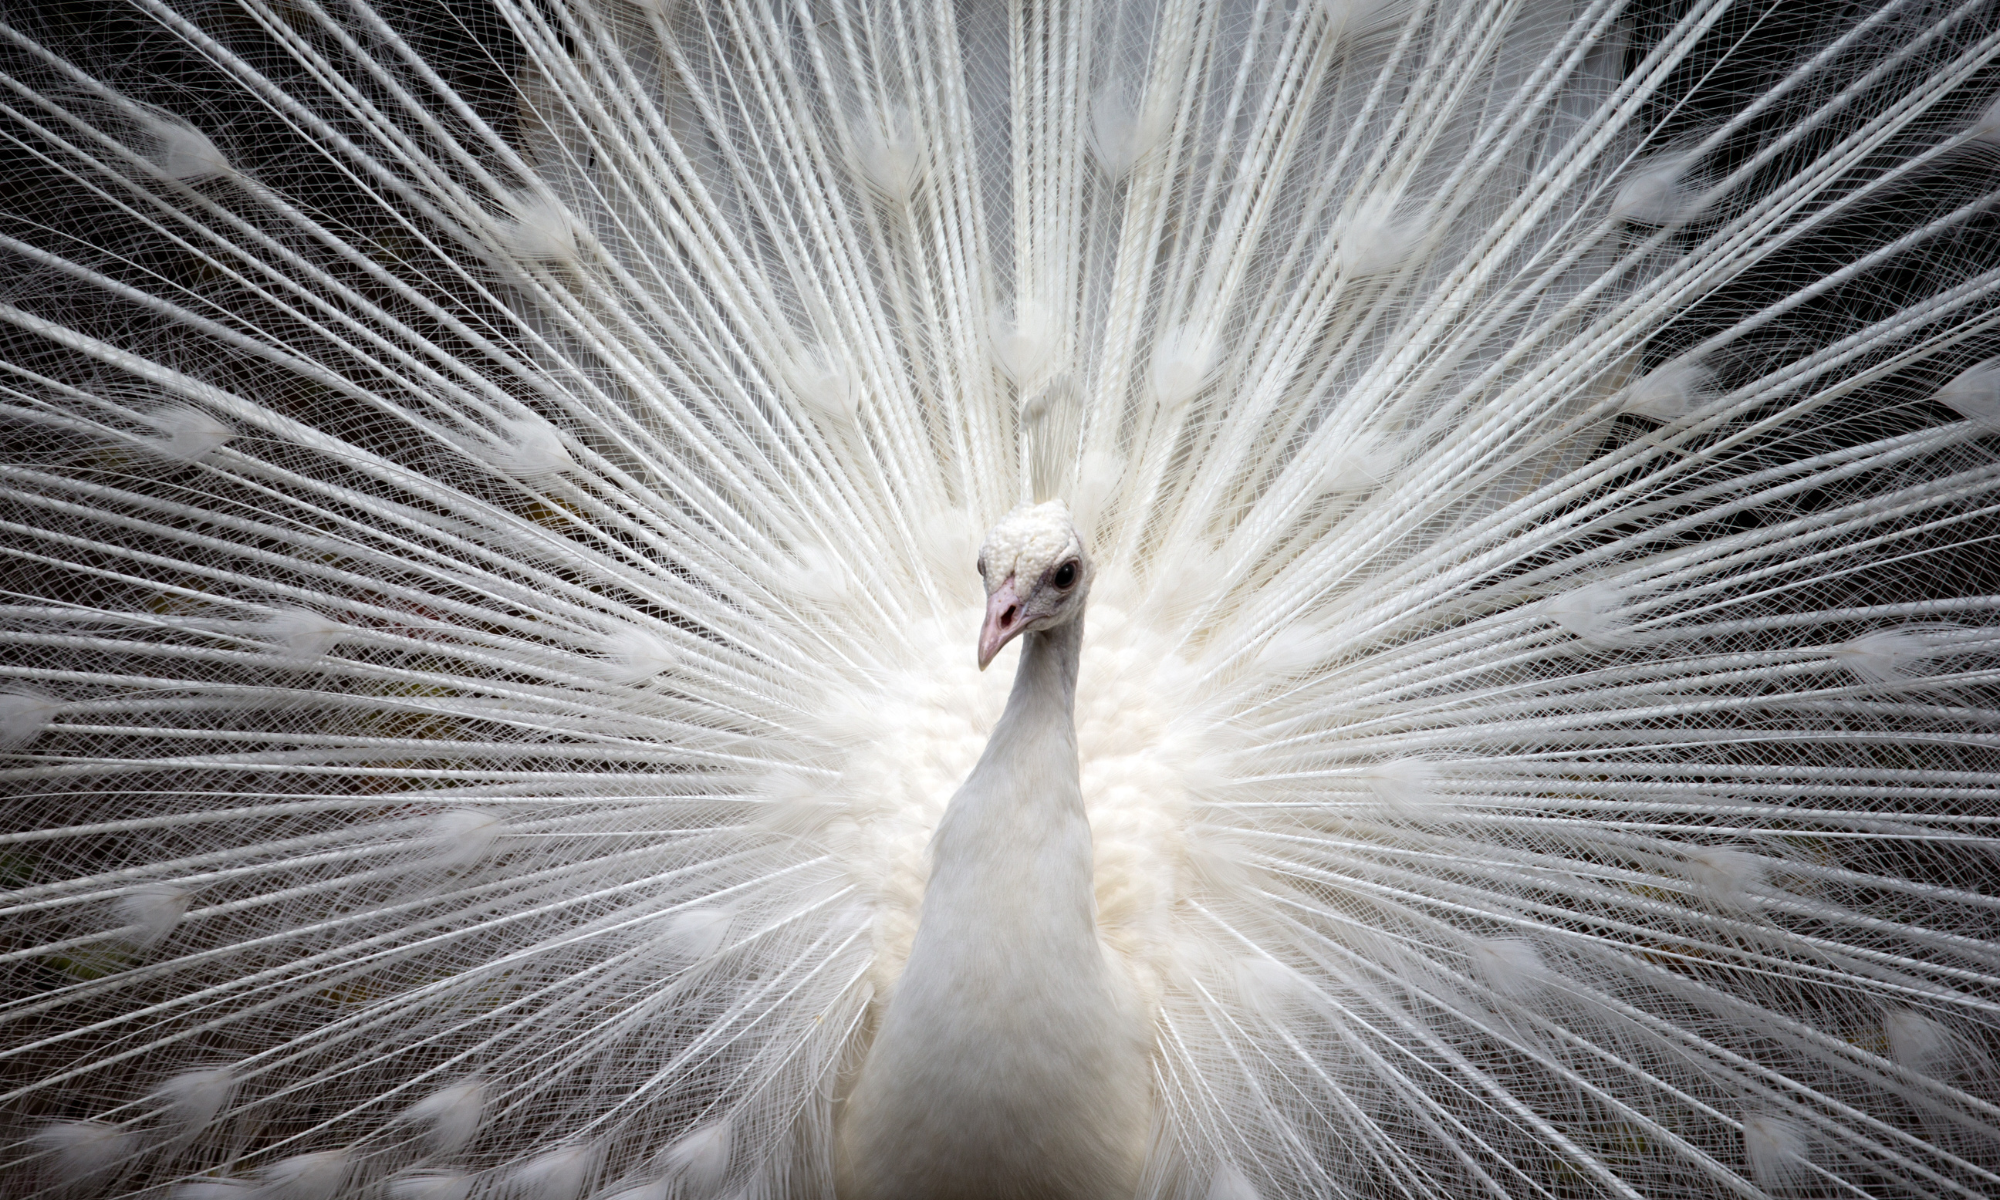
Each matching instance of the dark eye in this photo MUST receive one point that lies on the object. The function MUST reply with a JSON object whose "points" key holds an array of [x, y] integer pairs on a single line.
{"points": [[1065, 576], [981, 565]]}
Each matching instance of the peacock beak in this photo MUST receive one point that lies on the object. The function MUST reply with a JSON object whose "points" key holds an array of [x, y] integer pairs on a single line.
{"points": [[1003, 621]]}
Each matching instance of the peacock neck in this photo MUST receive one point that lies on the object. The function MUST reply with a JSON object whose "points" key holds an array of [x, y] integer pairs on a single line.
{"points": [[1019, 818], [1009, 1061], [1044, 697]]}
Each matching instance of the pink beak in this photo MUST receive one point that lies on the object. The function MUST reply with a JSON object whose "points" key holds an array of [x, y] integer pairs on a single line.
{"points": [[1003, 621]]}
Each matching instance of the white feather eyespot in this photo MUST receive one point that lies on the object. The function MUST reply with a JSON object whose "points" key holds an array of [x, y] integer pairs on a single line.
{"points": [[697, 932], [304, 635], [153, 910], [1345, 18], [1510, 966], [1125, 128], [190, 434], [1974, 394], [169, 143], [1669, 392], [1932, 1046], [818, 576], [452, 1115], [1408, 787], [1024, 341], [460, 838], [216, 1189], [1273, 989], [825, 383], [701, 1158], [1591, 612], [1916, 1041], [1056, 397], [1097, 477], [23, 716], [182, 152], [1376, 238], [527, 448], [1361, 464], [430, 1185], [1886, 656], [1230, 1183], [631, 654], [1776, 1149], [197, 1097], [557, 1175], [537, 228], [1657, 191], [319, 1175], [1183, 364], [1986, 126], [1294, 650], [81, 1150], [1724, 875], [889, 153]]}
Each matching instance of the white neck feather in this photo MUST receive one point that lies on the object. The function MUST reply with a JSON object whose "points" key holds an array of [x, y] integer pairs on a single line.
{"points": [[1010, 1060]]}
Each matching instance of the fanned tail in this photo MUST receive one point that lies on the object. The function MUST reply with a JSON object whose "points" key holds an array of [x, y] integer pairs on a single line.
{"points": [[489, 515]]}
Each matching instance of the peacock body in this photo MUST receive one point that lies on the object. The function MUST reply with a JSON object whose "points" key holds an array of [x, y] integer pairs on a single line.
{"points": [[1010, 1058], [491, 506]]}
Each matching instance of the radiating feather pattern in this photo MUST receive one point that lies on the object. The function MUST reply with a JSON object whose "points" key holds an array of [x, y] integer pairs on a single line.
{"points": [[490, 510]]}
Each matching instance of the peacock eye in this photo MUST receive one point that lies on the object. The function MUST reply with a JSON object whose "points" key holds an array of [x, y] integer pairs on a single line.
{"points": [[1065, 576]]}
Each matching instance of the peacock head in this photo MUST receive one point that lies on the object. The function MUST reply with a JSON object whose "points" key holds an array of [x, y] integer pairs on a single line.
{"points": [[1036, 574]]}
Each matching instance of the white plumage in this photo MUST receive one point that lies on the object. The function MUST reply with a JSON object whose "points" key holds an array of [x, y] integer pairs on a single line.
{"points": [[1010, 1054], [489, 516]]}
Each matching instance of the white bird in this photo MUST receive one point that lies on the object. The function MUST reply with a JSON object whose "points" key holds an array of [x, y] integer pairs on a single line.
{"points": [[1011, 1060], [494, 702]]}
